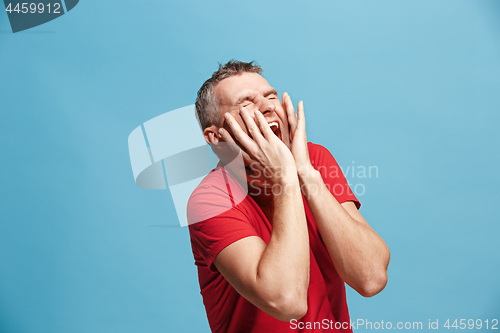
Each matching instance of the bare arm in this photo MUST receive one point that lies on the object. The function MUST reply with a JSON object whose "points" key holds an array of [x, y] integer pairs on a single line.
{"points": [[359, 254], [273, 277]]}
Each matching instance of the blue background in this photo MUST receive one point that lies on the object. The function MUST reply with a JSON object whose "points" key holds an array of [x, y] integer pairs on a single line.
{"points": [[412, 87]]}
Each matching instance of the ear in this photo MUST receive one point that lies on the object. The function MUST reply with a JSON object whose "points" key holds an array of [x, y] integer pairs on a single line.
{"points": [[211, 135]]}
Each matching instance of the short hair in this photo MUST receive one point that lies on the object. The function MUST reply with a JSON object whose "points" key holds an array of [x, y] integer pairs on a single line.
{"points": [[207, 108]]}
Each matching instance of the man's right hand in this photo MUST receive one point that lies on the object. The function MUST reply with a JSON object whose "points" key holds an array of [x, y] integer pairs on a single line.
{"points": [[262, 150]]}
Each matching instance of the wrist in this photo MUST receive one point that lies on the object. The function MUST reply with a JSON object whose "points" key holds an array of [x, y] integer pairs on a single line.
{"points": [[307, 173], [288, 178], [311, 184]]}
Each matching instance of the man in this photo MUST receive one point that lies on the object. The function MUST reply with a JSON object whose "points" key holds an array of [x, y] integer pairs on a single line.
{"points": [[275, 241]]}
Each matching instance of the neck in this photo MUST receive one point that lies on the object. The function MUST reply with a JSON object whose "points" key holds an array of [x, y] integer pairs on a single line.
{"points": [[265, 201]]}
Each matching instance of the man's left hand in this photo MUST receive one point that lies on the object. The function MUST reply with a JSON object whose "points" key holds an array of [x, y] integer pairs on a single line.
{"points": [[298, 137]]}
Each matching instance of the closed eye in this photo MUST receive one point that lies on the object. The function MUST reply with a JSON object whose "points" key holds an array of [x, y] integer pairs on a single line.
{"points": [[271, 94]]}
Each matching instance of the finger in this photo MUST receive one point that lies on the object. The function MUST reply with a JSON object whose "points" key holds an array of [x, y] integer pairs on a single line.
{"points": [[253, 129], [290, 112], [228, 139], [301, 119], [225, 136], [250, 162], [264, 126], [239, 134], [285, 118]]}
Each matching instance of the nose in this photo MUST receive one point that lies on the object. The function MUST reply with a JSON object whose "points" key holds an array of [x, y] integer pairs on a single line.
{"points": [[266, 106]]}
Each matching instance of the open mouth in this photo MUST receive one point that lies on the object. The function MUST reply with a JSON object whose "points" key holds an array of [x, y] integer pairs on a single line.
{"points": [[275, 127]]}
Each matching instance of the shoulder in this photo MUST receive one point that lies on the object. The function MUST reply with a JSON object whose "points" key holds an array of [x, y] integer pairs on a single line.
{"points": [[316, 149], [320, 156], [332, 174], [219, 213], [216, 194]]}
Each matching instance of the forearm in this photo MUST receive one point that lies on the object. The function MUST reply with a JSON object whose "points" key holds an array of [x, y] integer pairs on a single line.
{"points": [[283, 270], [359, 254]]}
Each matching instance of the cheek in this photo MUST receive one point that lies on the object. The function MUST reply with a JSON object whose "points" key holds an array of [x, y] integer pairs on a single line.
{"points": [[282, 116], [284, 119], [240, 122]]}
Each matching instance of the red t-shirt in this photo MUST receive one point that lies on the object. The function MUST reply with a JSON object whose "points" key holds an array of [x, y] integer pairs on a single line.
{"points": [[228, 214]]}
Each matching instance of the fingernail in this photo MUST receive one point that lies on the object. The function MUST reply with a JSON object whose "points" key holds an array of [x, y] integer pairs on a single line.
{"points": [[243, 110], [226, 115], [221, 131]]}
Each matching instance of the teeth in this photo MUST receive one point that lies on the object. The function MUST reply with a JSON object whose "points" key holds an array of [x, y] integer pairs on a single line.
{"points": [[274, 125]]}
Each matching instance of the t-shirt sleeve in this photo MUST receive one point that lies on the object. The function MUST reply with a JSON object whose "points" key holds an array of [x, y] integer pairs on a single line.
{"points": [[216, 220], [323, 161]]}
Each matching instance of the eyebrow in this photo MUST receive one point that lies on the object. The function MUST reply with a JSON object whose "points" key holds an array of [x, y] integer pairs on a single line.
{"points": [[250, 97]]}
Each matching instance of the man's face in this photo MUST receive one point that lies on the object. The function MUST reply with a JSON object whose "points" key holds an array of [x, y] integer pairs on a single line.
{"points": [[252, 91]]}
